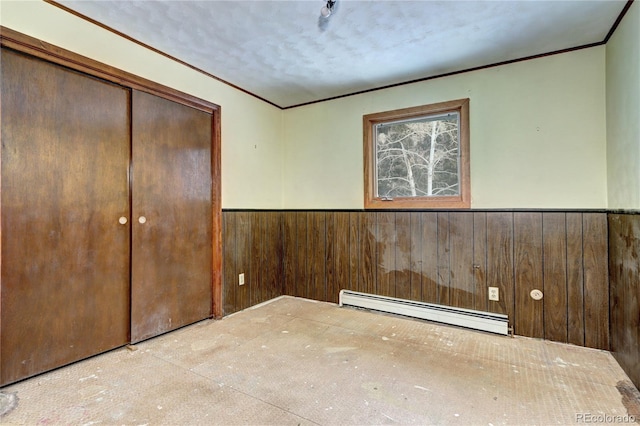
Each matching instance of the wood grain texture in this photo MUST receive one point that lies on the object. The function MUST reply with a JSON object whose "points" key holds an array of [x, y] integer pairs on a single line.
{"points": [[301, 255], [619, 233], [243, 260], [429, 257], [290, 243], [624, 255], [481, 296], [96, 122], [529, 319], [386, 247], [43, 50], [65, 257], [333, 288], [56, 55], [555, 276], [171, 272], [500, 262], [367, 253], [416, 244], [263, 255], [355, 243], [596, 288], [216, 209], [255, 249], [341, 260], [444, 259], [575, 280], [230, 254], [461, 268], [405, 253], [272, 255], [317, 256]]}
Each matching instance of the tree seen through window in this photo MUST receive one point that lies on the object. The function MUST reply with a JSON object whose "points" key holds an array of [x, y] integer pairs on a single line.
{"points": [[418, 157]]}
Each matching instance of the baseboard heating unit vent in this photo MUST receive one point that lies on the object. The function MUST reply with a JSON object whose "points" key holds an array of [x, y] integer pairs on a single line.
{"points": [[477, 320]]}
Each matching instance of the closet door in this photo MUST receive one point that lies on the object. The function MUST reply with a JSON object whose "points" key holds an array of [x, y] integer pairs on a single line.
{"points": [[65, 253], [172, 216]]}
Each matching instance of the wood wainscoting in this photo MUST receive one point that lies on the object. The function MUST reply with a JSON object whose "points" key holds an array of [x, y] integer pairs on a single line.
{"points": [[251, 245], [624, 264], [445, 257]]}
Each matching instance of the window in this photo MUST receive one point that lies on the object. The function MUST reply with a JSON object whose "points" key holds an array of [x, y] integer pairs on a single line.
{"points": [[418, 157]]}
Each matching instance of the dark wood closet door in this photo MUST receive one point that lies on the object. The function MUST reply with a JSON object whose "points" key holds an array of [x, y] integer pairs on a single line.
{"points": [[65, 256], [172, 222]]}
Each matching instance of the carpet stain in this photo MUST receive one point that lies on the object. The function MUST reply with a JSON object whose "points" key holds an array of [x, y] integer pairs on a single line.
{"points": [[8, 402], [630, 398]]}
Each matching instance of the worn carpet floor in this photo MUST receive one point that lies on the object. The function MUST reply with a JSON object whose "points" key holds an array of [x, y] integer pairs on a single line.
{"points": [[295, 361]]}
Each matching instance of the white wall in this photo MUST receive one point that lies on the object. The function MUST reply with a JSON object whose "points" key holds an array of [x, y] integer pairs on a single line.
{"points": [[538, 136], [251, 129], [623, 113]]}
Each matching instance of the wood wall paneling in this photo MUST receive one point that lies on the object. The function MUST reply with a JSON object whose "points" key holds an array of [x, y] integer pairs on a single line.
{"points": [[255, 241], [367, 254], [403, 255], [273, 256], [596, 281], [354, 251], [331, 281], [429, 257], [528, 320], [624, 258], [461, 274], [267, 266], [302, 255], [317, 256], [555, 277], [290, 247], [618, 232], [416, 246], [386, 248], [481, 296], [575, 280], [230, 303], [243, 260], [340, 255], [500, 262], [255, 246], [442, 257]]}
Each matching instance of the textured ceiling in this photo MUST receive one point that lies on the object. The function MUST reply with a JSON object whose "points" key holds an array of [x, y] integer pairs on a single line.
{"points": [[285, 53]]}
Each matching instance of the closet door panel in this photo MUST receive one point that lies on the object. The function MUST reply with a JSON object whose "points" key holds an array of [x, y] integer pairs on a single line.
{"points": [[172, 216], [65, 256]]}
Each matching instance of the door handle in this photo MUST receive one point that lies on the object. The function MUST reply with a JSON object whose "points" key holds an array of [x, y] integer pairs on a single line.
{"points": [[122, 220], [142, 219]]}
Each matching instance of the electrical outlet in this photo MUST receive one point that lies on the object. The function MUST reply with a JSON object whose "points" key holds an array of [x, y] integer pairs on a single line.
{"points": [[241, 279], [536, 294], [494, 294]]}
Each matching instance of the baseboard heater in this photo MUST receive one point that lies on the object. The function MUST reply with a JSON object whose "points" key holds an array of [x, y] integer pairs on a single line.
{"points": [[477, 320]]}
